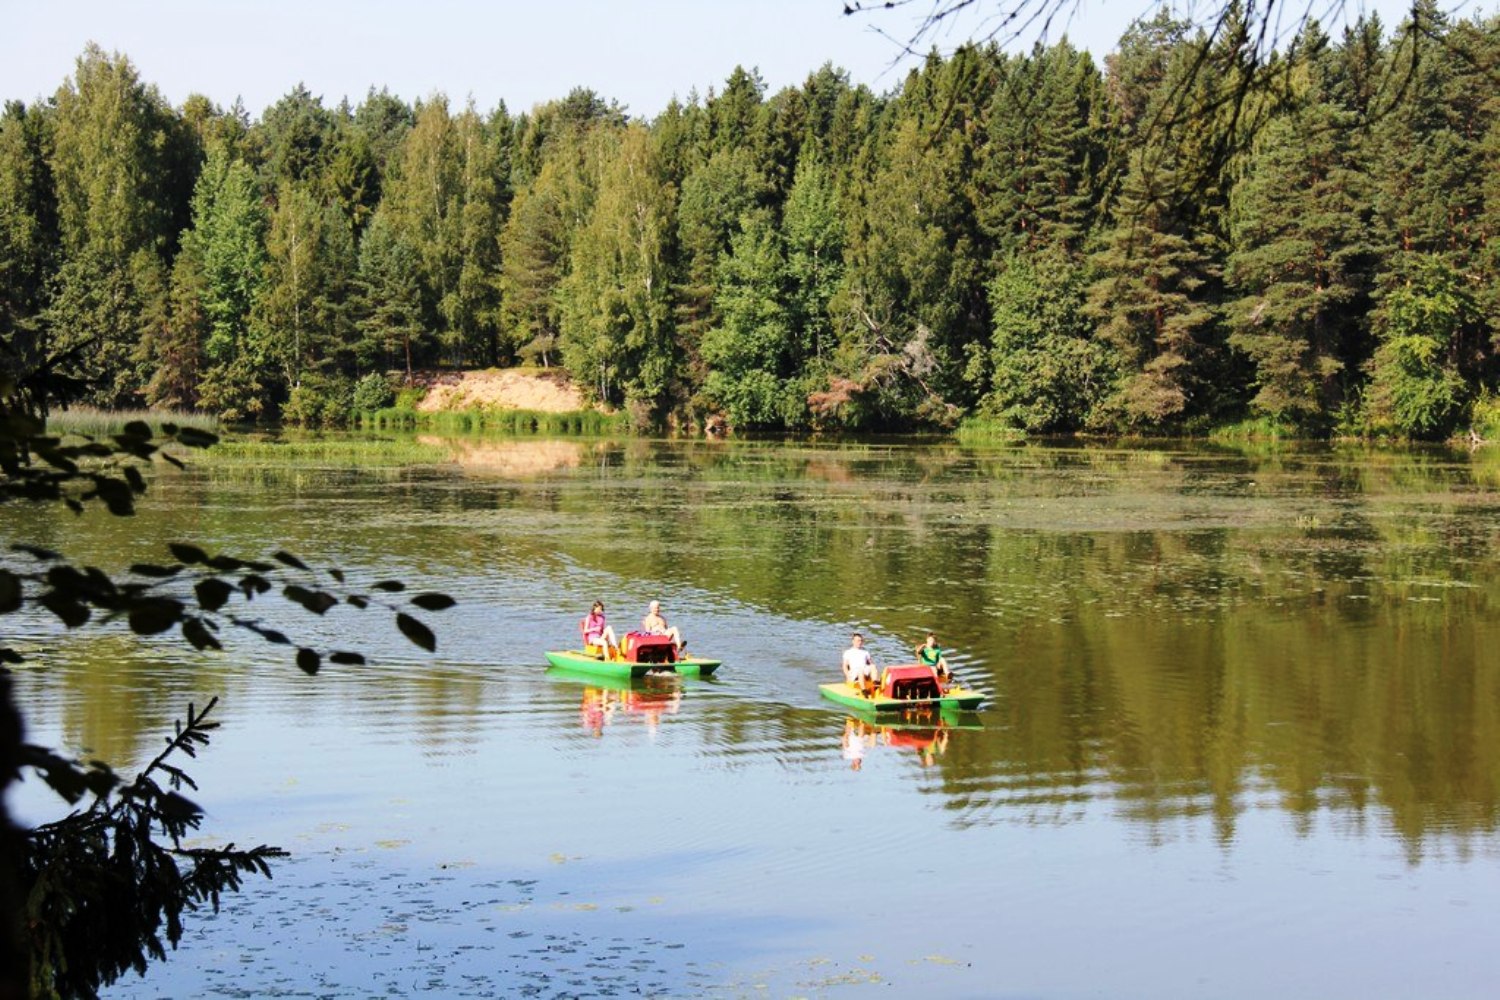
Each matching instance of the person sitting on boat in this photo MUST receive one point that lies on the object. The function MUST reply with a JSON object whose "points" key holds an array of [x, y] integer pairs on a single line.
{"points": [[597, 632], [859, 667], [655, 624], [930, 654]]}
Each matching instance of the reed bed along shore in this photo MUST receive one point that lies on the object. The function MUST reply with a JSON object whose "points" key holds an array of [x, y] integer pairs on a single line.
{"points": [[339, 448], [90, 421], [498, 421]]}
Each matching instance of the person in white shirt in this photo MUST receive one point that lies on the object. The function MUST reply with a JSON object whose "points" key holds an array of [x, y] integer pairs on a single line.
{"points": [[655, 624], [859, 668]]}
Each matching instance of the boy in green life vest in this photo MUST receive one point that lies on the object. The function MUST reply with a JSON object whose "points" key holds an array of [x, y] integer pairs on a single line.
{"points": [[930, 654]]}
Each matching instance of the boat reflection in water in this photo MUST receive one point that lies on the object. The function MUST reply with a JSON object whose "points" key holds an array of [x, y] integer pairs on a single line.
{"points": [[926, 733], [606, 697]]}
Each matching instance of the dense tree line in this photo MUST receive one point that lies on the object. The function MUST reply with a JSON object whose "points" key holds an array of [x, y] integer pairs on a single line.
{"points": [[1029, 240]]}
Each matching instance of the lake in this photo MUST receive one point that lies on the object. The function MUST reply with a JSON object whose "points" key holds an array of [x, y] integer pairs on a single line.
{"points": [[1242, 736]]}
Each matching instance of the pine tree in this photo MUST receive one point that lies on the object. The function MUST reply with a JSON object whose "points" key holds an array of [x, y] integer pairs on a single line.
{"points": [[905, 308], [734, 114], [1428, 168], [175, 349], [1301, 258], [295, 138], [1489, 229], [444, 197], [287, 314], [389, 310], [1040, 175], [353, 179], [1160, 260], [566, 121]]}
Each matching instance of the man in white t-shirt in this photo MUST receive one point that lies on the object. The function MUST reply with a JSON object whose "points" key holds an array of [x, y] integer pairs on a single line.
{"points": [[655, 624], [859, 668]]}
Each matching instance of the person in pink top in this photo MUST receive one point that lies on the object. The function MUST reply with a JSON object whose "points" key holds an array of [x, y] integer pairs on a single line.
{"points": [[597, 632]]}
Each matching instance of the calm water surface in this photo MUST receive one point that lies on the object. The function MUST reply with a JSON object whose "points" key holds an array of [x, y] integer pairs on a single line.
{"points": [[1243, 737]]}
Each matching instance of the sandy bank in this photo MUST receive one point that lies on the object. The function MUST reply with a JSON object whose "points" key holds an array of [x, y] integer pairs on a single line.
{"points": [[545, 391]]}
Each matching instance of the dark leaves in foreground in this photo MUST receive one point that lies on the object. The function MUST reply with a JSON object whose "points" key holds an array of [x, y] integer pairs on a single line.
{"points": [[197, 593], [308, 661], [416, 631], [128, 835], [106, 886], [79, 470], [433, 602]]}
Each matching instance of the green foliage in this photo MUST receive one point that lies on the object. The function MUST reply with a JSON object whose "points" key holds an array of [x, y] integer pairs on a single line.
{"points": [[28, 233], [372, 392], [116, 160], [1484, 418], [295, 138], [409, 396], [1151, 303], [121, 164], [983, 430], [1157, 300], [1047, 373], [89, 421], [303, 319], [348, 449], [588, 423], [617, 316], [100, 310], [533, 255], [1412, 393], [1415, 387], [716, 195], [390, 299], [904, 307], [228, 237], [814, 235], [1301, 259], [752, 354], [442, 202], [174, 347], [320, 401], [1257, 429], [1045, 159]]}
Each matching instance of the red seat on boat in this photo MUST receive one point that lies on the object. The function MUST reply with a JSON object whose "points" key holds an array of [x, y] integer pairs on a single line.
{"points": [[642, 647], [910, 683]]}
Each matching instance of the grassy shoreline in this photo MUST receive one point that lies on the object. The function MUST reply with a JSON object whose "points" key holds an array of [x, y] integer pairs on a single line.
{"points": [[99, 423], [90, 421], [523, 422]]}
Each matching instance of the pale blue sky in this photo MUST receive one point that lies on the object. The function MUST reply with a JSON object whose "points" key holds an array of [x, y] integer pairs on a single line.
{"points": [[639, 52]]}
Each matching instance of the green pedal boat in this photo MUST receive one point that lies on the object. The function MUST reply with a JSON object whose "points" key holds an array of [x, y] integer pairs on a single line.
{"points": [[902, 689], [642, 655]]}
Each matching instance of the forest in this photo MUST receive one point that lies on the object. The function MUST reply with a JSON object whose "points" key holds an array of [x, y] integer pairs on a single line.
{"points": [[1013, 243]]}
